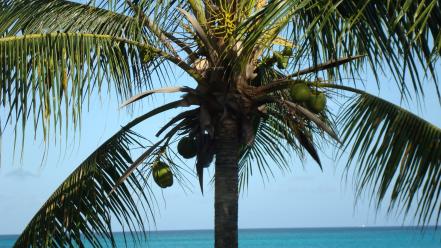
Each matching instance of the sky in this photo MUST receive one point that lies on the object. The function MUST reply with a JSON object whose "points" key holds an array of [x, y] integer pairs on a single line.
{"points": [[303, 197]]}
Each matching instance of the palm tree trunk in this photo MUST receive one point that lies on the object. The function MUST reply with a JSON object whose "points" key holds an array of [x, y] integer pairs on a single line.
{"points": [[226, 184]]}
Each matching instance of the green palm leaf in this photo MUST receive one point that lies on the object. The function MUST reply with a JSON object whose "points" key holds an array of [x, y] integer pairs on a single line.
{"points": [[41, 71], [146, 21], [46, 16], [269, 146], [398, 35], [277, 136], [81, 208], [273, 139], [396, 152], [280, 132], [108, 183]]}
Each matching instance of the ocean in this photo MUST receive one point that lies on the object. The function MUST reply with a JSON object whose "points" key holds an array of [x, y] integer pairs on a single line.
{"points": [[368, 237]]}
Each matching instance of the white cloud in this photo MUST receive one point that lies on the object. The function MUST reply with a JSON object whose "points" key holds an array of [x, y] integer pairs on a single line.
{"points": [[21, 174]]}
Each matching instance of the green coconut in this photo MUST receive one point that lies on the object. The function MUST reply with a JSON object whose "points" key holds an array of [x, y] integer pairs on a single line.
{"points": [[282, 61], [300, 92], [162, 174], [287, 51], [187, 147], [317, 102]]}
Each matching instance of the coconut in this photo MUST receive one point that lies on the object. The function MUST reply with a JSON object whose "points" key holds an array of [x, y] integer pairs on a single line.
{"points": [[287, 51], [317, 102], [282, 61], [300, 92], [187, 147], [162, 174]]}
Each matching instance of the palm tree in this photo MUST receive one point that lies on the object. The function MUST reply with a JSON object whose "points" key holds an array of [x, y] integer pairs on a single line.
{"points": [[263, 70]]}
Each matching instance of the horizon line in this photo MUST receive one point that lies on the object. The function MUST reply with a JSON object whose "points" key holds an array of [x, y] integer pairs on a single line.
{"points": [[283, 228]]}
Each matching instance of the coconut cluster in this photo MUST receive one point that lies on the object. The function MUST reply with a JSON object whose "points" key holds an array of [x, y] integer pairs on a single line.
{"points": [[313, 99], [279, 58]]}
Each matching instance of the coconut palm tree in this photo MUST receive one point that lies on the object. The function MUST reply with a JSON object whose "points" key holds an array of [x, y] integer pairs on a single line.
{"points": [[263, 70]]}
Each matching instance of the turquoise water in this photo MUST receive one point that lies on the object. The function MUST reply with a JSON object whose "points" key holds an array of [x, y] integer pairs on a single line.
{"points": [[378, 237]]}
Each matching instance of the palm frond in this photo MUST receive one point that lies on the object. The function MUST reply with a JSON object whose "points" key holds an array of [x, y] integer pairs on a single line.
{"points": [[263, 27], [313, 118], [145, 21], [394, 151], [403, 36], [41, 71], [273, 140], [278, 135], [286, 128], [150, 92], [201, 34], [81, 209], [47, 16], [164, 141], [197, 7], [282, 82], [108, 183], [267, 149]]}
